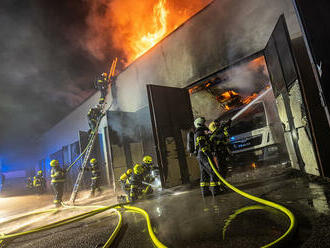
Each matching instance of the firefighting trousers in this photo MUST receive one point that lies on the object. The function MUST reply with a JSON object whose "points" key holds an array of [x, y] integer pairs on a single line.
{"points": [[103, 94], [126, 187], [95, 186], [92, 124], [58, 191], [221, 159], [209, 182], [139, 191]]}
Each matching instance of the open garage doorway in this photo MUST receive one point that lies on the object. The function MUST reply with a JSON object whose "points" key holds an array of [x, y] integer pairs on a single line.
{"points": [[262, 96]]}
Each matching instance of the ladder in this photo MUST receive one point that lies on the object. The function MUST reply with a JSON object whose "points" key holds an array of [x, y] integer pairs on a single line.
{"points": [[91, 142], [90, 146]]}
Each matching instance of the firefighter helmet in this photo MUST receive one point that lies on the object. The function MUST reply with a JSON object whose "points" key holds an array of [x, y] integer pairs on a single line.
{"points": [[104, 74], [213, 126], [40, 172], [147, 159], [93, 161], [199, 122], [54, 163], [138, 169]]}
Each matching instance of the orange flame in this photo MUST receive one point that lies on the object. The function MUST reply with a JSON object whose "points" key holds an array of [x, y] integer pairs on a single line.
{"points": [[147, 41], [133, 27], [254, 166], [249, 99], [227, 95]]}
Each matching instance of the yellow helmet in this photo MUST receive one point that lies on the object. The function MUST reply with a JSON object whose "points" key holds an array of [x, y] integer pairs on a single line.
{"points": [[40, 172], [93, 161], [129, 171], [212, 126], [147, 159], [54, 163], [138, 169]]}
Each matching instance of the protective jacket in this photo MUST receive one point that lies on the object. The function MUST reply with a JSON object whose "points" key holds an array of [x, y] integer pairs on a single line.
{"points": [[57, 175], [209, 182], [138, 182], [58, 179]]}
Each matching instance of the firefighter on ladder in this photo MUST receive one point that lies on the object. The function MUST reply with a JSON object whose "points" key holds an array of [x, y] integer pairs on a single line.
{"points": [[102, 84], [94, 114], [57, 182], [209, 182], [96, 176]]}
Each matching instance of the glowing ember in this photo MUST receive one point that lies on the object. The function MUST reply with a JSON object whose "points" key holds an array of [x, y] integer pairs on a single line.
{"points": [[249, 99], [227, 95]]}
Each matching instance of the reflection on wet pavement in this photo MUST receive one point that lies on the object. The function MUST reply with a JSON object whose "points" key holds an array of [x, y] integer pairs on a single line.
{"points": [[182, 218]]}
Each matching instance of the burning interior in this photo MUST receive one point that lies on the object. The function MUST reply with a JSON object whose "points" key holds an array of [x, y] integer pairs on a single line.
{"points": [[244, 94]]}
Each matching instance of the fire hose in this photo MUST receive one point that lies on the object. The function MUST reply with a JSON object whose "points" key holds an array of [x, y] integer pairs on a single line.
{"points": [[274, 205], [82, 216]]}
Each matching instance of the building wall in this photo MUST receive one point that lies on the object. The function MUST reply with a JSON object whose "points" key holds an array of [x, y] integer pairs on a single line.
{"points": [[222, 33]]}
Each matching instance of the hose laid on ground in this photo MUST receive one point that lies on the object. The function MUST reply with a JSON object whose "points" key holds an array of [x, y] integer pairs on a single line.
{"points": [[116, 231], [151, 232], [240, 211], [279, 207], [82, 216]]}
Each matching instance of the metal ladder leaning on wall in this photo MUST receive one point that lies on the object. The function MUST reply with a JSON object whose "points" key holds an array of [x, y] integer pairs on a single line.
{"points": [[91, 141], [90, 146]]}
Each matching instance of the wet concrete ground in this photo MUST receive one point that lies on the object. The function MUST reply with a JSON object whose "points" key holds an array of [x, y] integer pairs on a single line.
{"points": [[181, 218]]}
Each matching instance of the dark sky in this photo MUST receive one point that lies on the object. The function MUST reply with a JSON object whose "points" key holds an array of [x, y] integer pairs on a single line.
{"points": [[45, 70]]}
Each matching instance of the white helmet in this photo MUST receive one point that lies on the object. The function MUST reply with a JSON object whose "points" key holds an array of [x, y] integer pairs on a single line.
{"points": [[199, 122]]}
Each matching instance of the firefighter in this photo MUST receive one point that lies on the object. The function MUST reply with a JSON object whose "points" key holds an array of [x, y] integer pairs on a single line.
{"points": [[94, 114], [125, 185], [96, 176], [39, 183], [219, 139], [29, 183], [2, 181], [57, 182], [102, 84], [138, 188], [125, 181], [209, 182], [150, 170]]}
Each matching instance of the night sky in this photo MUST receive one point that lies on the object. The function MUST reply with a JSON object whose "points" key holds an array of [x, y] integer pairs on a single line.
{"points": [[45, 69]]}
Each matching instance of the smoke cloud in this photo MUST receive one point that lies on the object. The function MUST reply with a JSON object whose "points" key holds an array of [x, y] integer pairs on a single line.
{"points": [[44, 74]]}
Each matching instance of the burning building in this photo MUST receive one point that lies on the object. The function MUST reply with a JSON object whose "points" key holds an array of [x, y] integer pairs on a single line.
{"points": [[217, 64]]}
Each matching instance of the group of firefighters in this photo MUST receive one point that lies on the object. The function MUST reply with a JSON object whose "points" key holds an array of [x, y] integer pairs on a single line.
{"points": [[136, 182], [208, 143], [211, 143], [37, 183]]}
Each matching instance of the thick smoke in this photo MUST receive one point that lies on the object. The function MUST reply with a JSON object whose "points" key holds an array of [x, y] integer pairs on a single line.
{"points": [[44, 73]]}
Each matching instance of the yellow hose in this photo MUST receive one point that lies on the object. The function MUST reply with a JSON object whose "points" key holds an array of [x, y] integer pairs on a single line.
{"points": [[262, 201], [83, 216], [152, 235], [116, 231], [240, 211]]}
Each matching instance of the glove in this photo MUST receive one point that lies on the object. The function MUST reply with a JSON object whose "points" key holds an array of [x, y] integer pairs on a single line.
{"points": [[206, 150]]}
